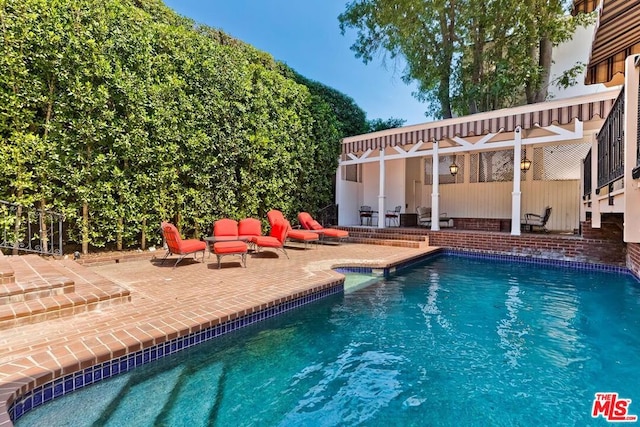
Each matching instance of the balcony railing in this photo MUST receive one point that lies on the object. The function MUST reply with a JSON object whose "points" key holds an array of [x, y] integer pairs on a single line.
{"points": [[611, 145], [587, 175], [30, 230], [328, 215], [636, 170]]}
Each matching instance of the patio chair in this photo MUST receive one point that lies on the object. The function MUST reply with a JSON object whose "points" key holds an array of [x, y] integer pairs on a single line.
{"points": [[276, 238], [178, 246], [393, 216], [366, 214], [532, 220], [424, 216], [307, 222]]}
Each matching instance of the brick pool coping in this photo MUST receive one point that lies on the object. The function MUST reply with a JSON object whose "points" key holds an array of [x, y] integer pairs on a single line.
{"points": [[169, 304]]}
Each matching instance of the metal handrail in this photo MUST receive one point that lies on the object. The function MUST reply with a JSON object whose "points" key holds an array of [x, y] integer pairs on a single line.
{"points": [[611, 145], [586, 179], [30, 230], [328, 215]]}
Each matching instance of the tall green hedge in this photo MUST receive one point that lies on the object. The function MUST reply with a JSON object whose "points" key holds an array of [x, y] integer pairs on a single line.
{"points": [[121, 114]]}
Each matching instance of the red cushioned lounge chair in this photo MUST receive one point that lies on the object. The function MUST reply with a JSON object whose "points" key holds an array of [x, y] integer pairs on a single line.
{"points": [[177, 246], [309, 223], [276, 238], [228, 240], [304, 236]]}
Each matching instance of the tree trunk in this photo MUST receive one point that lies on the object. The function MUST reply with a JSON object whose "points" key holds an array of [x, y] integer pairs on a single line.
{"points": [[119, 234], [85, 227], [143, 237], [530, 89], [447, 23], [544, 61], [17, 225], [44, 236]]}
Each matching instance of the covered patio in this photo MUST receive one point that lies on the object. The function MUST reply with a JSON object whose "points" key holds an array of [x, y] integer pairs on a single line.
{"points": [[491, 167]]}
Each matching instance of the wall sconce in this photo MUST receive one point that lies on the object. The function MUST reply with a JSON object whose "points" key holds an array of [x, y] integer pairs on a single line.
{"points": [[453, 168], [525, 165]]}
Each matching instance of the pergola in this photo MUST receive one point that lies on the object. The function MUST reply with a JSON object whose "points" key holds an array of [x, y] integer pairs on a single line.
{"points": [[513, 128]]}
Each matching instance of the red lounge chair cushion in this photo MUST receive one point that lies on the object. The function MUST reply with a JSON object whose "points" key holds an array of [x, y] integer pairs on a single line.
{"points": [[249, 227], [267, 241], [274, 216], [334, 232], [192, 245], [303, 235], [225, 228], [231, 247], [315, 225]]}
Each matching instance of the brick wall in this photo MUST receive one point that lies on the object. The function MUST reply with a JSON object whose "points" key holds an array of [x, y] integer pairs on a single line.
{"points": [[633, 258], [485, 224], [561, 247]]}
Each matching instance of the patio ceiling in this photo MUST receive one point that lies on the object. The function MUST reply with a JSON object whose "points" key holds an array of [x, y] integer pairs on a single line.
{"points": [[617, 37], [544, 114]]}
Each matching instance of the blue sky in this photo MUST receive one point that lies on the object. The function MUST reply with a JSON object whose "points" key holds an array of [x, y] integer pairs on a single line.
{"points": [[306, 36]]}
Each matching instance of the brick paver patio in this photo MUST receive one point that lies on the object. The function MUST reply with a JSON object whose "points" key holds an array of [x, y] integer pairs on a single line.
{"points": [[167, 303]]}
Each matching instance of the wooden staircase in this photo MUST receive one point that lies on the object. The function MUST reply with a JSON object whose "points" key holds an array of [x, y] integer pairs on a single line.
{"points": [[33, 289], [392, 236]]}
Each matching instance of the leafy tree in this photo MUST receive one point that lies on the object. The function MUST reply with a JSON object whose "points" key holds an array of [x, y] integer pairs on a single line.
{"points": [[466, 56], [121, 114], [379, 124], [351, 118]]}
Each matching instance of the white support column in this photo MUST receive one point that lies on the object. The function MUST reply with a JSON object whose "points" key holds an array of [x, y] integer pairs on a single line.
{"points": [[381, 195], [516, 195], [435, 192], [631, 186], [339, 191]]}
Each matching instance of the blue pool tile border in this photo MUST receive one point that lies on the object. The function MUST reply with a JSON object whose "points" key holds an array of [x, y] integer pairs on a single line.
{"points": [[576, 265], [102, 371]]}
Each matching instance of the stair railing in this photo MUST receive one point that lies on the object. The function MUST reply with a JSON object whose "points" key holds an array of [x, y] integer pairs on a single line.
{"points": [[34, 230]]}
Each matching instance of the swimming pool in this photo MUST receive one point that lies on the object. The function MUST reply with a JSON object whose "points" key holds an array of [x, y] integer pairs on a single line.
{"points": [[451, 341]]}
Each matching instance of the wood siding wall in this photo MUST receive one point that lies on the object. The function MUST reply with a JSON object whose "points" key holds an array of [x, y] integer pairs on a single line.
{"points": [[493, 200]]}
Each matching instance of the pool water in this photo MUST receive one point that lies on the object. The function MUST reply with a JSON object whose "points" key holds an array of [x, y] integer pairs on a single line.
{"points": [[454, 341]]}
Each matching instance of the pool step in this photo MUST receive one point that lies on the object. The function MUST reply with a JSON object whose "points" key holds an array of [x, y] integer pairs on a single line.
{"points": [[142, 402], [200, 392], [34, 289]]}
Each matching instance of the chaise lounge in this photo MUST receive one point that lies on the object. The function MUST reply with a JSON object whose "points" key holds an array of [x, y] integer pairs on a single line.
{"points": [[307, 222]]}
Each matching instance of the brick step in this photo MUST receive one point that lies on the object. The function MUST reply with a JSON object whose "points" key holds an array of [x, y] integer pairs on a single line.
{"points": [[34, 278], [7, 275], [92, 292], [378, 240], [388, 236], [422, 231]]}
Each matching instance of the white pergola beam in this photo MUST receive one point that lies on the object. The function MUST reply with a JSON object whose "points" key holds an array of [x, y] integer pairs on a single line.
{"points": [[577, 133]]}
